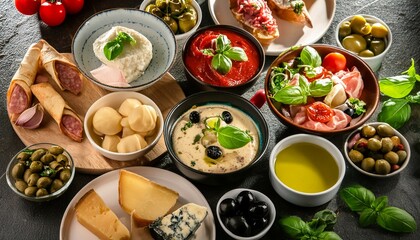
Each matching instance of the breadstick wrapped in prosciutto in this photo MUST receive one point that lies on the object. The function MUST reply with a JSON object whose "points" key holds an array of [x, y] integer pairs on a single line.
{"points": [[68, 121], [62, 71], [19, 95]]}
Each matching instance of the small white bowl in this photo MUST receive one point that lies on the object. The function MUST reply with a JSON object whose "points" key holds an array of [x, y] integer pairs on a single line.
{"points": [[114, 100], [301, 198], [374, 62], [152, 27], [260, 197], [181, 36], [403, 141]]}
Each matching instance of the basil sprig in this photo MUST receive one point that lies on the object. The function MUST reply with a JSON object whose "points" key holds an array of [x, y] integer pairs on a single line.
{"points": [[396, 111], [373, 210], [230, 137], [115, 47], [223, 54], [318, 228]]}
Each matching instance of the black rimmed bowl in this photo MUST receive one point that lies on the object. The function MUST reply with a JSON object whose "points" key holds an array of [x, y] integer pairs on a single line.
{"points": [[222, 98], [223, 82]]}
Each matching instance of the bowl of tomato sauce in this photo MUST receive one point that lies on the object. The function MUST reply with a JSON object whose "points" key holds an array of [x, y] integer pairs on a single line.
{"points": [[223, 57], [321, 89]]}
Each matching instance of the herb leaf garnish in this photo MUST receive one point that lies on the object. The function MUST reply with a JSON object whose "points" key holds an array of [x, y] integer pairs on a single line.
{"points": [[115, 47], [229, 137]]}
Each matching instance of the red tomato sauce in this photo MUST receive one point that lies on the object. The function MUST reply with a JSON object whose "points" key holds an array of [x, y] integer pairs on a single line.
{"points": [[199, 64]]}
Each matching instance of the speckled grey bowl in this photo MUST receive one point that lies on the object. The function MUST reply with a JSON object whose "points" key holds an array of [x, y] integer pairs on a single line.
{"points": [[151, 26]]}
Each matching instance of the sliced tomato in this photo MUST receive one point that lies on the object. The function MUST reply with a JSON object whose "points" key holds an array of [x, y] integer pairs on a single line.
{"points": [[334, 62], [319, 112]]}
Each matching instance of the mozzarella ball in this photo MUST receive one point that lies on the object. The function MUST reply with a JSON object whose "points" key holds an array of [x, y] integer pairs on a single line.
{"points": [[142, 118], [107, 121], [131, 143], [128, 105], [110, 142]]}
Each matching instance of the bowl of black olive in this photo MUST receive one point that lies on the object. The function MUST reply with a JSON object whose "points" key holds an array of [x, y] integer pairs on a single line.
{"points": [[215, 137], [377, 150], [40, 172], [245, 214]]}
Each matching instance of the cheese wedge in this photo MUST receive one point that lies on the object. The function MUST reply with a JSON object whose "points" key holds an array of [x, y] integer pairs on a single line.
{"points": [[147, 199], [94, 214]]}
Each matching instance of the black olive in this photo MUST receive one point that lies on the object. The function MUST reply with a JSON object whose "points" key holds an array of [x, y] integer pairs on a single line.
{"points": [[227, 117], [228, 207], [257, 224], [239, 226], [245, 199], [258, 210], [351, 112], [195, 117], [213, 152]]}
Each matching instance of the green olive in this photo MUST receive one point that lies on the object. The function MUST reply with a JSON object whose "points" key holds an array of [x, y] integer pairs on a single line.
{"points": [[387, 144], [23, 156], [385, 130], [152, 8], [176, 7], [379, 30], [377, 137], [361, 145], [21, 185], [62, 159], [43, 182], [374, 144], [41, 192], [368, 164], [382, 166], [377, 46], [18, 170], [354, 43], [162, 4], [344, 29], [33, 179], [47, 158], [366, 53], [36, 166], [359, 25], [375, 155], [391, 157], [26, 175], [368, 131], [56, 185], [172, 23], [55, 165], [368, 38], [396, 140], [30, 191], [402, 155], [36, 156], [65, 175], [355, 156], [55, 150], [187, 21]]}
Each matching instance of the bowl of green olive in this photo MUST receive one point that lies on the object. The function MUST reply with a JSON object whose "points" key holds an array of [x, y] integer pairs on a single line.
{"points": [[366, 36], [182, 16], [378, 150], [40, 172]]}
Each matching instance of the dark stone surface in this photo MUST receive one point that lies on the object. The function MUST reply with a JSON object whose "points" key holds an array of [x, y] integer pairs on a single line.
{"points": [[22, 219]]}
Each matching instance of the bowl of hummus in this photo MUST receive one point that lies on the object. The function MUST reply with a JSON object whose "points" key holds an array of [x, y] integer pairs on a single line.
{"points": [[214, 137], [124, 49]]}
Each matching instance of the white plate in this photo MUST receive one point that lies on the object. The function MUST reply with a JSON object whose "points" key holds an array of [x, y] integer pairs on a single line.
{"points": [[106, 186], [291, 34]]}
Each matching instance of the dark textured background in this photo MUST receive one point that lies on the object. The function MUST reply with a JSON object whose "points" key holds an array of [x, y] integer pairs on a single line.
{"points": [[22, 219]]}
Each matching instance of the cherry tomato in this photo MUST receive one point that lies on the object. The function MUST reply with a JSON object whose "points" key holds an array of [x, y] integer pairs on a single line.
{"points": [[319, 112], [27, 7], [334, 62], [259, 98], [73, 6], [52, 13]]}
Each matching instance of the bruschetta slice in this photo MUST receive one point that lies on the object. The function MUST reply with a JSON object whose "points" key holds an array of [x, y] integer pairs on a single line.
{"points": [[256, 18], [291, 10]]}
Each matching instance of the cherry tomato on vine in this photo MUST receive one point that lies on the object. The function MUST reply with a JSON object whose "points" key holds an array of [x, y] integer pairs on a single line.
{"points": [[320, 112], [73, 6], [52, 13], [334, 62], [27, 7]]}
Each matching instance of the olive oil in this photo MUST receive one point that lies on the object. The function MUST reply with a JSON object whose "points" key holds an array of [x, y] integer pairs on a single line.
{"points": [[306, 167]]}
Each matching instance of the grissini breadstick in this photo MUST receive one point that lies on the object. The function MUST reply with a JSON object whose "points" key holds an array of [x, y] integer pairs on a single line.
{"points": [[61, 69], [68, 121], [19, 95]]}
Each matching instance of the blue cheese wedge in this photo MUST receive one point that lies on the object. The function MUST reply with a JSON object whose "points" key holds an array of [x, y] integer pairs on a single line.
{"points": [[179, 225]]}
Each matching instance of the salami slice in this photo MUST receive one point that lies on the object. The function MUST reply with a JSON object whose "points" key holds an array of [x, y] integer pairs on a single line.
{"points": [[72, 127], [18, 100], [69, 77]]}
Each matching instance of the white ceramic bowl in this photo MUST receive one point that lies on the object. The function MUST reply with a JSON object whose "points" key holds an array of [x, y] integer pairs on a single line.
{"points": [[181, 36], [375, 61], [301, 198], [358, 168], [114, 100], [152, 27], [260, 197]]}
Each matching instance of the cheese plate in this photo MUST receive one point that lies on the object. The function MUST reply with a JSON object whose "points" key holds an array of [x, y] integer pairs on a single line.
{"points": [[106, 186]]}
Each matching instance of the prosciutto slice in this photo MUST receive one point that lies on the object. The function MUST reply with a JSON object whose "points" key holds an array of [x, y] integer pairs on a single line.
{"points": [[109, 76], [352, 82]]}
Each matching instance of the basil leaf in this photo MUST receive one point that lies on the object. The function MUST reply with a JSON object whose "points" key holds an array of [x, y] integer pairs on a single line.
{"points": [[112, 49], [222, 43], [395, 112], [357, 198], [358, 105], [411, 70], [231, 137], [221, 63], [293, 226], [367, 217], [292, 95], [327, 216], [397, 86], [208, 52], [328, 235], [320, 87], [380, 203], [396, 220], [414, 98], [304, 85], [309, 56], [125, 37], [236, 53]]}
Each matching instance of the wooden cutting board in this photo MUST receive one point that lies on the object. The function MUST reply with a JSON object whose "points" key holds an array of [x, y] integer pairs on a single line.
{"points": [[165, 92]]}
